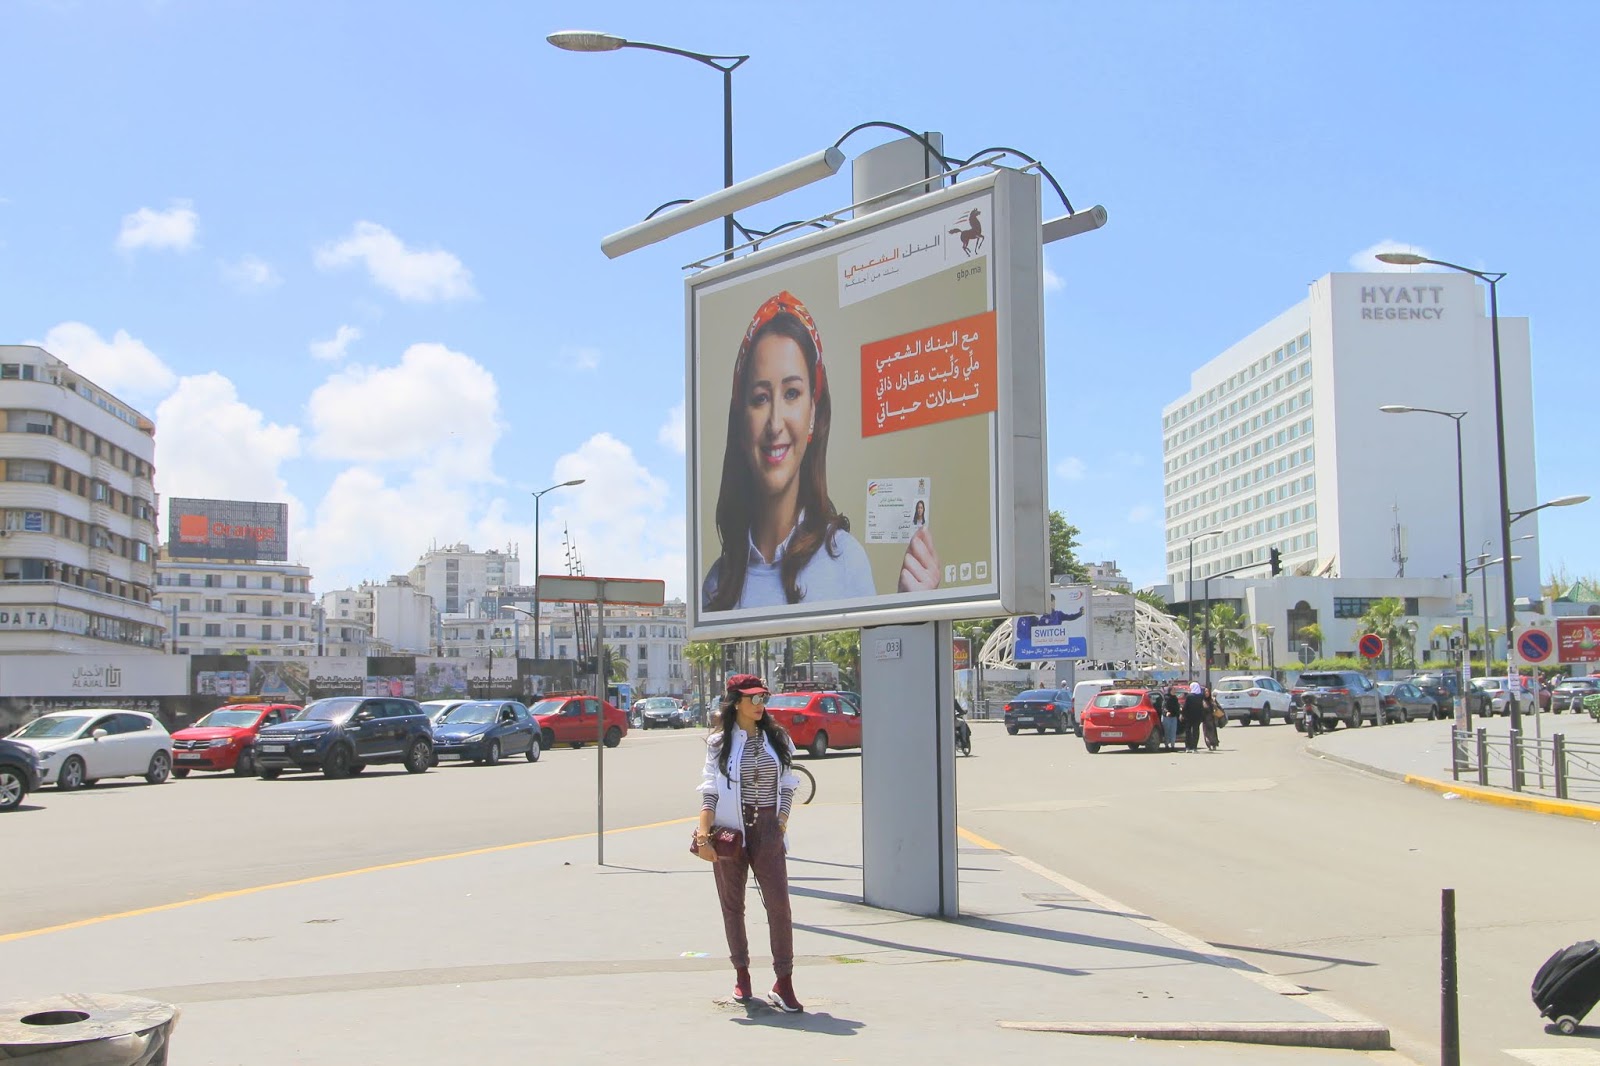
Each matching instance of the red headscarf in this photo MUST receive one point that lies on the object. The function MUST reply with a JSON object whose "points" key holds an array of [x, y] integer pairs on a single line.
{"points": [[783, 303]]}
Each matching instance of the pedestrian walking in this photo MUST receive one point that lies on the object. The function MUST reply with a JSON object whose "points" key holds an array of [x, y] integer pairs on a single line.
{"points": [[1213, 716], [746, 789], [1194, 716], [1171, 712]]}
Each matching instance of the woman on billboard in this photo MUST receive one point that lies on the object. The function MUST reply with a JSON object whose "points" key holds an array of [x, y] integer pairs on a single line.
{"points": [[783, 541]]}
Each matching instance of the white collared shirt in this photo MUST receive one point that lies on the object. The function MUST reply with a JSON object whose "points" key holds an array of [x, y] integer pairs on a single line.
{"points": [[824, 577]]}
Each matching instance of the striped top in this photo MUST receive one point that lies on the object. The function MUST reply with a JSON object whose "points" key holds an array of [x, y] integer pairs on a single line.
{"points": [[758, 782]]}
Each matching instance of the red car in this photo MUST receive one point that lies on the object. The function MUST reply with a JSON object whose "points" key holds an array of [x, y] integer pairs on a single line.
{"points": [[225, 739], [817, 721], [575, 719], [1123, 716]]}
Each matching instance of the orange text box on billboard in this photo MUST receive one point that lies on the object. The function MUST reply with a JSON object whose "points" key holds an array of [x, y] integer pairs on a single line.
{"points": [[930, 375]]}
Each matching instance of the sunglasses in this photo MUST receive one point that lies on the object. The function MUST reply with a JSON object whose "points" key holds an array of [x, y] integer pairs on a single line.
{"points": [[759, 697]]}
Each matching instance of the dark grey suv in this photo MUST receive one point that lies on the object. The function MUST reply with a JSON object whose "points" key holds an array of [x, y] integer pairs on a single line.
{"points": [[1341, 696], [343, 735]]}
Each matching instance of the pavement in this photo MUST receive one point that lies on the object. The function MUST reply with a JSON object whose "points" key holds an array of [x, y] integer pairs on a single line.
{"points": [[531, 949]]}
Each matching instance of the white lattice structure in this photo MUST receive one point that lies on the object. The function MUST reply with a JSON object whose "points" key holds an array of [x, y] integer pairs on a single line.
{"points": [[1158, 642]]}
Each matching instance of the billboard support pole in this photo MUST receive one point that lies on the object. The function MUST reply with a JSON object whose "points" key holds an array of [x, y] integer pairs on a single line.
{"points": [[600, 727]]}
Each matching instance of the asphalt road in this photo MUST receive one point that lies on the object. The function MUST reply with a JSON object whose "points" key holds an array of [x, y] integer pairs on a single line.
{"points": [[1309, 870]]}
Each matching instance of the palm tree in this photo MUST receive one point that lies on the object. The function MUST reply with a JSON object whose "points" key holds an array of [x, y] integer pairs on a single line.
{"points": [[1227, 631], [1386, 618], [1312, 635]]}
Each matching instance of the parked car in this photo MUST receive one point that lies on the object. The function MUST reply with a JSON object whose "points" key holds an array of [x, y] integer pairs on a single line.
{"points": [[1253, 698], [486, 730], [1123, 716], [817, 721], [19, 773], [343, 735], [77, 749], [1569, 693], [1440, 688], [1402, 701], [435, 708], [1341, 696], [225, 739], [1084, 692], [1041, 709], [1494, 690], [662, 712], [575, 719]]}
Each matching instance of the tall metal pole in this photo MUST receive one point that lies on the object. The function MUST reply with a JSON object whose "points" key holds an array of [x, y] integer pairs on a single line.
{"points": [[727, 154], [1188, 595], [1508, 583], [536, 574], [1449, 1016], [600, 732], [1461, 533]]}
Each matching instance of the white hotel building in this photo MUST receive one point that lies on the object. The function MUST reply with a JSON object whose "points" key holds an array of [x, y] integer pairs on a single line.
{"points": [[1279, 441]]}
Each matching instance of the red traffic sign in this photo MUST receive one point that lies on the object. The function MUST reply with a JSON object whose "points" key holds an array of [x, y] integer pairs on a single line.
{"points": [[1370, 646], [1534, 646]]}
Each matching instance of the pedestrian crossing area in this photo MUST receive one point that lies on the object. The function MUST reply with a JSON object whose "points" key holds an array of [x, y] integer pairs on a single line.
{"points": [[1556, 1056]]}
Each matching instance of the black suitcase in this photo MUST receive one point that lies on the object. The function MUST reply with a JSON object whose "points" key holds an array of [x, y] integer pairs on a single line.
{"points": [[1567, 986]]}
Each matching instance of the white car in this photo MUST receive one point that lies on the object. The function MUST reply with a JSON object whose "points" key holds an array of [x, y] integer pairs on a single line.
{"points": [[1527, 694], [78, 748], [1253, 698]]}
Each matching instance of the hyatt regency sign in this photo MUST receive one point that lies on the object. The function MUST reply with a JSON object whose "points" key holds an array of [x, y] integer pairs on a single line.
{"points": [[1395, 302]]}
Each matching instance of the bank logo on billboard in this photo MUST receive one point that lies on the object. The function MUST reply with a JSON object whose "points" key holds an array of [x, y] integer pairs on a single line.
{"points": [[228, 529]]}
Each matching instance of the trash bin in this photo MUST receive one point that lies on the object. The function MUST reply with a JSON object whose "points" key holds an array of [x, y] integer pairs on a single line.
{"points": [[87, 1029]]}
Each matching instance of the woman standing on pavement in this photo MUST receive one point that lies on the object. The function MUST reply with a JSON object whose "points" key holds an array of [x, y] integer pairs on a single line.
{"points": [[1171, 711], [1194, 714], [1213, 712], [747, 786]]}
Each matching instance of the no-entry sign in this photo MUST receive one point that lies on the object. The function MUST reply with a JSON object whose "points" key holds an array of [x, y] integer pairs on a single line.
{"points": [[1370, 646], [1534, 646]]}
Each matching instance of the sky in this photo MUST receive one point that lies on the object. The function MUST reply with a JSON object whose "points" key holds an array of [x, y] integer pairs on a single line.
{"points": [[346, 254]]}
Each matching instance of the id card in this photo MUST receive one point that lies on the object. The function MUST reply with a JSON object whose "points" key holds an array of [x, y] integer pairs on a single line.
{"points": [[896, 508]]}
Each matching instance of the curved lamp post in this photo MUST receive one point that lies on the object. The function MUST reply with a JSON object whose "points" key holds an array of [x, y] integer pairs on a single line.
{"points": [[536, 498], [590, 41]]}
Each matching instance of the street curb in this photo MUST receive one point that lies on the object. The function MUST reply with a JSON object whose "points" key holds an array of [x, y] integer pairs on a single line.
{"points": [[1346, 1028], [1342, 1036], [1355, 764], [1518, 801]]}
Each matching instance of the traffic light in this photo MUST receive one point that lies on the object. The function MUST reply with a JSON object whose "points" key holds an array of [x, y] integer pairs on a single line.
{"points": [[1275, 560]]}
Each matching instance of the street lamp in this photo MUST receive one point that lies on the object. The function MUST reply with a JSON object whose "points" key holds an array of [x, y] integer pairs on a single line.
{"points": [[1559, 501], [1508, 586], [536, 498], [1461, 515], [589, 41], [517, 626]]}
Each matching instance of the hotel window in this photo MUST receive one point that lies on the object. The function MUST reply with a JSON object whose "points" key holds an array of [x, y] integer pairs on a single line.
{"points": [[32, 470], [266, 632]]}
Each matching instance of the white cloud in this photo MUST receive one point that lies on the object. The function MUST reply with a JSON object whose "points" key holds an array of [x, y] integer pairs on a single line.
{"points": [[173, 228], [671, 432], [1071, 469], [251, 272], [437, 405], [122, 365], [1052, 280], [332, 350], [366, 528], [209, 443], [1140, 514], [585, 359], [1365, 261], [423, 276]]}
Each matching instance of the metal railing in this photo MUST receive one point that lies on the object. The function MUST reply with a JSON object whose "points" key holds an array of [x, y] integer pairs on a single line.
{"points": [[1555, 766]]}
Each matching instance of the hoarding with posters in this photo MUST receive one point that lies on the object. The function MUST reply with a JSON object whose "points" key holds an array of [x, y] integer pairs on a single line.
{"points": [[227, 529], [866, 420], [1578, 640], [1062, 633]]}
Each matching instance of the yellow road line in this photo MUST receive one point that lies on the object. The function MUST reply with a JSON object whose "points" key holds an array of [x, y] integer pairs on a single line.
{"points": [[235, 893], [1518, 800], [973, 838]]}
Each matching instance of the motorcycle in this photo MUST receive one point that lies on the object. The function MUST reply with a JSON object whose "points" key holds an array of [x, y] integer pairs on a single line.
{"points": [[963, 732]]}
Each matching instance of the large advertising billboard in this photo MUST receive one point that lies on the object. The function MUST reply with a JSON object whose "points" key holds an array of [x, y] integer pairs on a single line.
{"points": [[1062, 633], [227, 529], [866, 420]]}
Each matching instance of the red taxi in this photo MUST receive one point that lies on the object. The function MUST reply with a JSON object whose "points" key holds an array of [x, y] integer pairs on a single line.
{"points": [[225, 739], [1123, 716], [817, 721], [574, 718]]}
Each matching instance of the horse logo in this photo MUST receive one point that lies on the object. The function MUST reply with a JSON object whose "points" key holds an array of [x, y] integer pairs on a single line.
{"points": [[970, 230]]}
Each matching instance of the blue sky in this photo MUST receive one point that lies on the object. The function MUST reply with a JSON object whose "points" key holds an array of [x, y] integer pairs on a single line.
{"points": [[347, 253]]}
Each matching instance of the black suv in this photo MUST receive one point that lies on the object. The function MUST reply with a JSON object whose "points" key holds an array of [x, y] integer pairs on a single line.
{"points": [[343, 735], [19, 773], [1341, 696]]}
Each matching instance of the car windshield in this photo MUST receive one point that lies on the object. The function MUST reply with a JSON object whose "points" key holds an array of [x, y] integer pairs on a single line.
{"points": [[1037, 695], [336, 709], [1236, 684], [1388, 687], [1574, 686], [478, 713], [660, 704], [547, 707], [51, 727], [788, 702], [1114, 700], [228, 720], [1322, 681]]}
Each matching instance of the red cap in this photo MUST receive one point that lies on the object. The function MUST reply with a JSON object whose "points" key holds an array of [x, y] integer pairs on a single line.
{"points": [[747, 684]]}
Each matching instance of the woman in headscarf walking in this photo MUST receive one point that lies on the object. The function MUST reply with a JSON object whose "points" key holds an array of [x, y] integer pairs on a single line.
{"points": [[1194, 716], [1209, 724]]}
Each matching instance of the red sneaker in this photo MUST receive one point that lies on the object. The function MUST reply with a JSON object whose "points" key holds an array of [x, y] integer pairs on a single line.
{"points": [[741, 985], [782, 996]]}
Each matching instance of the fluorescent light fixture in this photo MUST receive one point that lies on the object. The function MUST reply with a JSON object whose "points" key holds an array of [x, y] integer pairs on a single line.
{"points": [[1396, 409], [1567, 501], [586, 41], [747, 193], [1405, 259], [1072, 225]]}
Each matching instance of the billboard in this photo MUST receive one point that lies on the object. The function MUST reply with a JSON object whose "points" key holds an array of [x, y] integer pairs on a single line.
{"points": [[1578, 640], [227, 529], [866, 420], [1060, 633]]}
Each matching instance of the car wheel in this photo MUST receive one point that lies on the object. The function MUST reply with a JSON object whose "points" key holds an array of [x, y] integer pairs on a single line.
{"points": [[535, 749], [613, 737], [1153, 741], [246, 763], [356, 768], [336, 763], [1355, 719], [1093, 749], [160, 768], [419, 756], [547, 738], [1011, 729], [1266, 715], [269, 773], [819, 745], [13, 789], [1040, 730], [71, 777], [179, 773], [493, 756]]}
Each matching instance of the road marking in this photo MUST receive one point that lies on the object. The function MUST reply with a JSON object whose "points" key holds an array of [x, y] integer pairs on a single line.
{"points": [[1519, 800], [235, 893], [1556, 1056], [973, 838]]}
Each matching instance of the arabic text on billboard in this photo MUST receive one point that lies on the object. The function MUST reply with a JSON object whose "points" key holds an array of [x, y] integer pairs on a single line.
{"points": [[227, 529], [1062, 633]]}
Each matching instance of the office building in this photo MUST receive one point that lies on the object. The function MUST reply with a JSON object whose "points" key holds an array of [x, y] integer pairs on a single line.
{"points": [[456, 576], [372, 619], [237, 607]]}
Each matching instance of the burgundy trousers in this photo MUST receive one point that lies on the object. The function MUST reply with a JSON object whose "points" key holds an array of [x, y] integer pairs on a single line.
{"points": [[763, 853]]}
